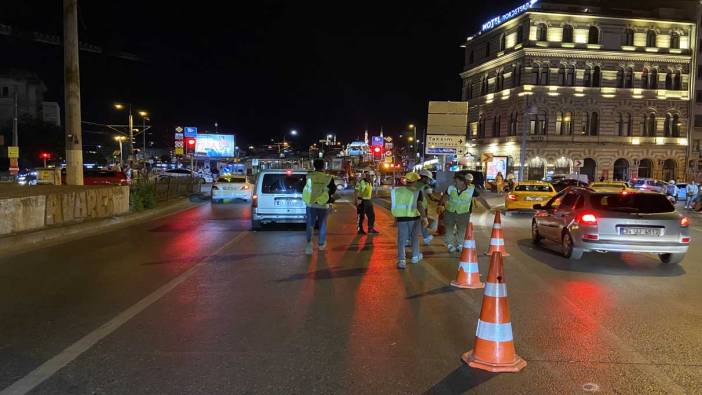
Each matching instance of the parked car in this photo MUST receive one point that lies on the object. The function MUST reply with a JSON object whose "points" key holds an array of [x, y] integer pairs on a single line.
{"points": [[650, 185], [525, 194], [100, 177], [609, 186], [582, 220], [181, 172], [568, 182], [230, 187], [277, 198]]}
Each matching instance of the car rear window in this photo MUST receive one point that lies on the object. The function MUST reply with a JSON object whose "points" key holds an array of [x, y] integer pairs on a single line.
{"points": [[283, 183], [533, 188], [647, 203], [232, 179], [638, 183]]}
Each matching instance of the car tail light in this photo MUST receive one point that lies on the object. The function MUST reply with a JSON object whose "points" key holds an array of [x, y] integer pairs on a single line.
{"points": [[684, 222], [245, 187], [587, 219], [512, 197], [685, 240], [254, 201], [591, 237]]}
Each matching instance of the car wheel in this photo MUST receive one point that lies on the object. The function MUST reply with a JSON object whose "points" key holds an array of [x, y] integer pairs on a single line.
{"points": [[568, 249], [255, 225], [535, 236], [671, 259]]}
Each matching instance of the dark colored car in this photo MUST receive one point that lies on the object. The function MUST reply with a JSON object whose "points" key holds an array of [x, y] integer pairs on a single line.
{"points": [[568, 182], [100, 177]]}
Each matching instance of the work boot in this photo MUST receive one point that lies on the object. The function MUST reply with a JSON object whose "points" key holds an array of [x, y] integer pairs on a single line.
{"points": [[428, 240], [373, 231], [451, 249], [416, 259], [308, 248], [401, 264], [361, 232]]}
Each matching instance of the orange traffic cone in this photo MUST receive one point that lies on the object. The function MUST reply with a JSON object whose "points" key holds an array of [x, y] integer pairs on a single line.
{"points": [[497, 240], [494, 346], [468, 274]]}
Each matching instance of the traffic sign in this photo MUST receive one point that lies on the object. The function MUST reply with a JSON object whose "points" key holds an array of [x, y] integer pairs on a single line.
{"points": [[190, 131], [485, 157], [179, 151], [444, 144], [578, 163], [179, 144], [376, 140], [388, 153], [13, 152], [179, 136], [179, 129]]}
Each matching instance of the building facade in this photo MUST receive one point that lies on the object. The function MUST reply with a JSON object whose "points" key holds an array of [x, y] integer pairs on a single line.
{"points": [[564, 85]]}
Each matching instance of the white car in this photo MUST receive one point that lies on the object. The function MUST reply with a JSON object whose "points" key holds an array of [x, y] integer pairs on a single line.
{"points": [[185, 173], [229, 188], [277, 198]]}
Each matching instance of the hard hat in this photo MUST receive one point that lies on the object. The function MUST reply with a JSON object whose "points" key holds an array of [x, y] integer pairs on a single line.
{"points": [[426, 173], [469, 177], [412, 177]]}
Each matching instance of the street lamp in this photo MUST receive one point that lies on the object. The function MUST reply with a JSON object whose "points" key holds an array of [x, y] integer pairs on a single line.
{"points": [[130, 143], [293, 132], [120, 139], [144, 117]]}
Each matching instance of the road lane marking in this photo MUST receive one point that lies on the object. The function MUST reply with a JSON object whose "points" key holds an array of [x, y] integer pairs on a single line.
{"points": [[69, 354]]}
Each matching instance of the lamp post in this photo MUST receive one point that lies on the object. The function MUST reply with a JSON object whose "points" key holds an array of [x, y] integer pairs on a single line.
{"points": [[130, 143], [144, 118], [119, 139]]}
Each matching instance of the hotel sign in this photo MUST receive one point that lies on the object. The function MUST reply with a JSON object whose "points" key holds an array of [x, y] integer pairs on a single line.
{"points": [[500, 19]]}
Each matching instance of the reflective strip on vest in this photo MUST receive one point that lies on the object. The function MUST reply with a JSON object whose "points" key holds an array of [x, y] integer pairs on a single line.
{"points": [[460, 203], [468, 267], [497, 242], [404, 202], [496, 290], [468, 243], [315, 191], [494, 332]]}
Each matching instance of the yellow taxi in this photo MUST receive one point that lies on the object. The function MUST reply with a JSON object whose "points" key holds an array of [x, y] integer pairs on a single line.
{"points": [[526, 194], [609, 186]]}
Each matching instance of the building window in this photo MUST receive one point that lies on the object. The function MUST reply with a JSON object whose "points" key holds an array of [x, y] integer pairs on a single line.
{"points": [[644, 79], [513, 123], [484, 85], [564, 123], [653, 79], [620, 78], [481, 126], [541, 32], [570, 78], [517, 75], [561, 75], [496, 126], [629, 78], [520, 35], [698, 96], [4, 91], [698, 121], [471, 57], [587, 76], [567, 34], [649, 125], [629, 37], [538, 124], [677, 80], [469, 90], [593, 35], [545, 75], [487, 49], [586, 123], [594, 124], [624, 124], [675, 40], [596, 76], [503, 42], [669, 80], [645, 168], [667, 126], [536, 72], [499, 81], [651, 39], [676, 125]]}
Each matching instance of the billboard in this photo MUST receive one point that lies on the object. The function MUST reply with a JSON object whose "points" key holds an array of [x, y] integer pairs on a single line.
{"points": [[215, 145], [498, 164]]}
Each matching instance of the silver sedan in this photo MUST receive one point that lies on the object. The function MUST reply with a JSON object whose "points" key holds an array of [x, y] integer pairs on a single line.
{"points": [[581, 220]]}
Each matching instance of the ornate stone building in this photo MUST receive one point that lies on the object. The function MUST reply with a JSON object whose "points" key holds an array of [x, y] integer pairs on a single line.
{"points": [[557, 85]]}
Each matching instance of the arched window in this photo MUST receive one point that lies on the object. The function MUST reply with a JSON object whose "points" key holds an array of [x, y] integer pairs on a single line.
{"points": [[653, 79], [585, 123], [651, 39], [677, 80], [484, 85], [594, 124], [517, 75], [545, 74], [621, 169], [651, 125], [669, 169], [644, 79], [629, 37], [567, 34], [629, 78], [471, 57], [620, 78], [536, 169], [481, 126], [645, 168], [513, 123], [589, 168], [596, 76], [669, 80], [499, 81], [593, 35], [541, 32], [496, 126], [503, 42], [468, 89], [667, 126], [561, 75], [538, 123], [570, 78], [675, 40], [564, 123], [587, 76], [676, 126]]}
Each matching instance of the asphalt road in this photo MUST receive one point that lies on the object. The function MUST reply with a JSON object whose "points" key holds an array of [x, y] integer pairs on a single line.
{"points": [[197, 304]]}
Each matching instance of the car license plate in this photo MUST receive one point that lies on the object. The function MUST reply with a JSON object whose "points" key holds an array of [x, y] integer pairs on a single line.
{"points": [[652, 232], [533, 198], [288, 202]]}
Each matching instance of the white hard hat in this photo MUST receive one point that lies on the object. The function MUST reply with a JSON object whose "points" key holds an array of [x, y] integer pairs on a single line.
{"points": [[426, 173], [469, 177]]}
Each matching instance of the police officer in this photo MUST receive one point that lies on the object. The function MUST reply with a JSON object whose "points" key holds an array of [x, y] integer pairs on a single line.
{"points": [[410, 214], [457, 202], [363, 195], [317, 195]]}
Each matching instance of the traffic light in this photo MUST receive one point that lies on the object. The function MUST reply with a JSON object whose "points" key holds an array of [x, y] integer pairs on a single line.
{"points": [[377, 151], [45, 155]]}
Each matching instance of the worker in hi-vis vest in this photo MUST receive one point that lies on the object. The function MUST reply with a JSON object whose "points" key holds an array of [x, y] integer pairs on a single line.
{"points": [[363, 195], [457, 203], [410, 215], [318, 197]]}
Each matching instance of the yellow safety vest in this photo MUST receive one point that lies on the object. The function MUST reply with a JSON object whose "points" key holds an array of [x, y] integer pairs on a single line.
{"points": [[315, 191], [404, 202], [460, 203], [364, 190]]}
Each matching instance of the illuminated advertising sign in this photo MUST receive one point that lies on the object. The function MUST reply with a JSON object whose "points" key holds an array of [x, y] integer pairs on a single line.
{"points": [[500, 19], [498, 164], [215, 145], [376, 140]]}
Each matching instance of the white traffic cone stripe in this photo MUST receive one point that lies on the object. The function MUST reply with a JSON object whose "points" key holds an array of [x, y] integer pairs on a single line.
{"points": [[469, 244], [496, 290], [468, 267], [497, 242], [494, 332], [497, 226]]}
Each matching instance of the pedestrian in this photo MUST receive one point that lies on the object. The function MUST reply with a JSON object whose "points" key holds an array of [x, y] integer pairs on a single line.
{"points": [[318, 196], [425, 187], [363, 195], [457, 202], [500, 182], [411, 216], [510, 181], [692, 192]]}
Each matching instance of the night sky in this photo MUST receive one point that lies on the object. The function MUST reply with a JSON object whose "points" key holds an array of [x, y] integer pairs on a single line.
{"points": [[258, 68]]}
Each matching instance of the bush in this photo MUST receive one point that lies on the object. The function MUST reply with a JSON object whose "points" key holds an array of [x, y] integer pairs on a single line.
{"points": [[142, 197]]}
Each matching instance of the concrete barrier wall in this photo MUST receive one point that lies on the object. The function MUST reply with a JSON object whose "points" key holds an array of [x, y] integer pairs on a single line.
{"points": [[56, 208]]}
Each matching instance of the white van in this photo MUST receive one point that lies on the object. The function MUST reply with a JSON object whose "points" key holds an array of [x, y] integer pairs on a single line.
{"points": [[278, 198]]}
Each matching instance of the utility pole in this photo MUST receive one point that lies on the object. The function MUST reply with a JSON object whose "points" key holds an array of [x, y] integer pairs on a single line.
{"points": [[71, 81], [130, 144], [14, 162]]}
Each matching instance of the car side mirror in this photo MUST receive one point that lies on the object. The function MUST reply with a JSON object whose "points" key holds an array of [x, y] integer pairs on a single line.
{"points": [[538, 207]]}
